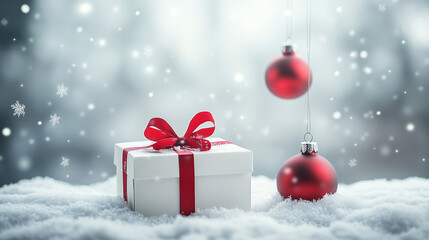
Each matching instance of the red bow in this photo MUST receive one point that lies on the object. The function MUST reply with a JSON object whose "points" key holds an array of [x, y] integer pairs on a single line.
{"points": [[162, 133]]}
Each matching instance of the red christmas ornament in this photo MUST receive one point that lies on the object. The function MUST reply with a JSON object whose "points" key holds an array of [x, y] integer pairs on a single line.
{"points": [[287, 76], [307, 175]]}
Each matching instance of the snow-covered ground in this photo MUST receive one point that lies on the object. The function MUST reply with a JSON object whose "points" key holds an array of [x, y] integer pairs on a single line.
{"points": [[43, 208]]}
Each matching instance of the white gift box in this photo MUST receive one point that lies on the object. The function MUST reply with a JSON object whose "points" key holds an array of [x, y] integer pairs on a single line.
{"points": [[222, 178]]}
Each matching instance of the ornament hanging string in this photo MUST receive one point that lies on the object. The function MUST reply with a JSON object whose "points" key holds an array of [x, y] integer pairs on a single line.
{"points": [[308, 137], [289, 21]]}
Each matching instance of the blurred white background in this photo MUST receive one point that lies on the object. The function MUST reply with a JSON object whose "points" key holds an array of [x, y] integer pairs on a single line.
{"points": [[124, 62]]}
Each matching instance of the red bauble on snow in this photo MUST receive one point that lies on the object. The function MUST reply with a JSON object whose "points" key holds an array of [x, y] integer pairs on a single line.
{"points": [[307, 175], [287, 76]]}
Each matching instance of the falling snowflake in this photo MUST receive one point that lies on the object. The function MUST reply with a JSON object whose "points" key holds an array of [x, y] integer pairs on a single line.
{"points": [[148, 51], [64, 161], [352, 162], [381, 7], [54, 119], [62, 90], [18, 109], [4, 22]]}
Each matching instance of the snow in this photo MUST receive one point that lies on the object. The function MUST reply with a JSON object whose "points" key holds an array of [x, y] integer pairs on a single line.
{"points": [[54, 119], [148, 51], [18, 109], [44, 208], [65, 161], [4, 22], [62, 90]]}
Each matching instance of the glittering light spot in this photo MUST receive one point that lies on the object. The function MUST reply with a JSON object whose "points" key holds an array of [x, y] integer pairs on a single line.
{"points": [[47, 139], [367, 70], [149, 69], [294, 180], [287, 170], [336, 73], [137, 13], [135, 54], [363, 54], [353, 54], [238, 77], [410, 127], [339, 9], [384, 151], [102, 42], [85, 8], [150, 94], [403, 41], [31, 141], [25, 8], [378, 113], [336, 115], [24, 164], [79, 29], [91, 106], [6, 132]]}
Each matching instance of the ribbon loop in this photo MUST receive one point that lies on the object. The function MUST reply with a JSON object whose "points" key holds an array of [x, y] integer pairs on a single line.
{"points": [[162, 133], [199, 119], [158, 129]]}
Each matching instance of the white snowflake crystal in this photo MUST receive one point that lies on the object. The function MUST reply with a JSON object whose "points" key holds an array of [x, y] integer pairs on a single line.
{"points": [[148, 51], [18, 109], [54, 119], [62, 90], [353, 162], [4, 22], [64, 161]]}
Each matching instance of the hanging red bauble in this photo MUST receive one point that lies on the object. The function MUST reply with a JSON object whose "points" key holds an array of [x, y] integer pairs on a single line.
{"points": [[307, 175], [287, 76]]}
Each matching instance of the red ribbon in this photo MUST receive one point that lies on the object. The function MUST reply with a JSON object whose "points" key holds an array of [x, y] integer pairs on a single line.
{"points": [[162, 133]]}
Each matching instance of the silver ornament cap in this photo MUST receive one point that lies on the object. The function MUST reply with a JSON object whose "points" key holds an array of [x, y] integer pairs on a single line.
{"points": [[287, 49], [309, 147]]}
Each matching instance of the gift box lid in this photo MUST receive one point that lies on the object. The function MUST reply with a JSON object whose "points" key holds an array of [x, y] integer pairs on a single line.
{"points": [[150, 164]]}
